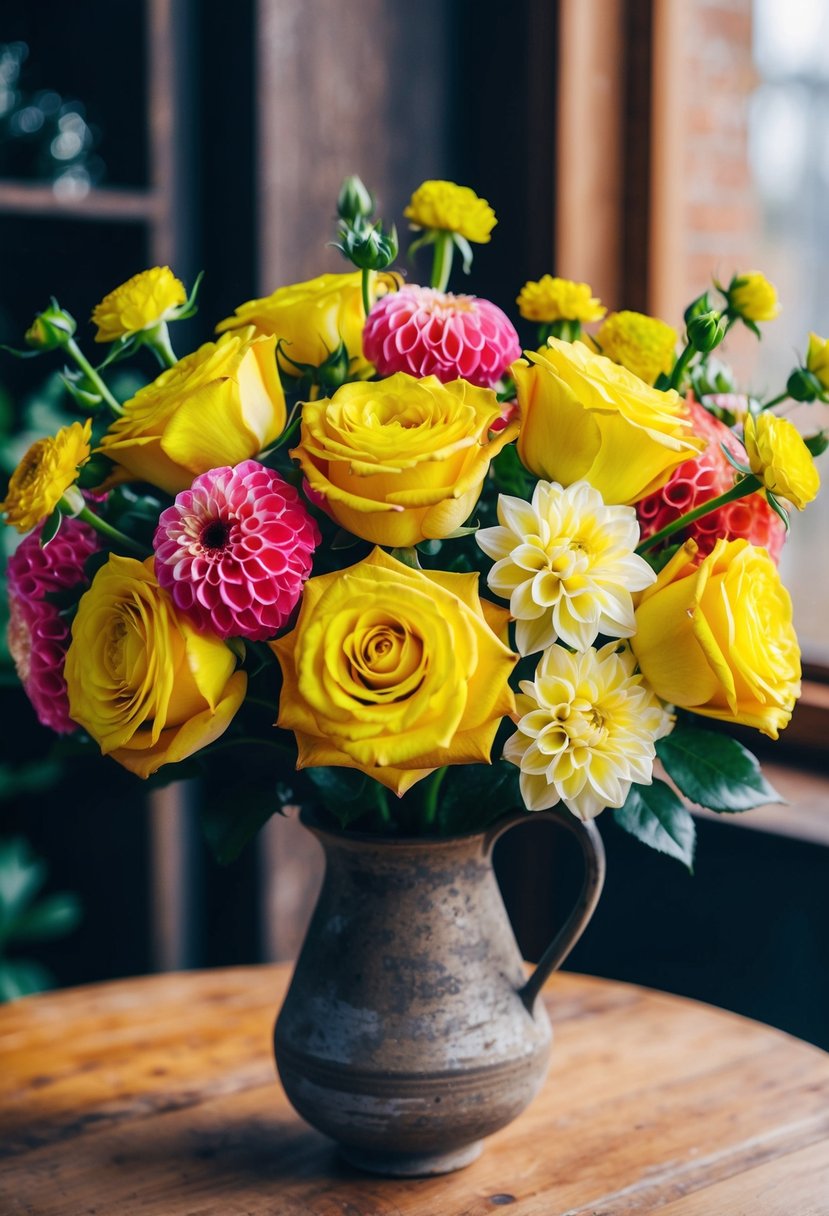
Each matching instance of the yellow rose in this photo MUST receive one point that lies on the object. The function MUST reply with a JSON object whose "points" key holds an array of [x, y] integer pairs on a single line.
{"points": [[142, 302], [147, 686], [394, 671], [585, 418], [45, 473], [552, 299], [309, 321], [716, 637], [452, 208], [644, 345], [401, 460], [780, 458], [218, 406], [817, 359], [752, 297]]}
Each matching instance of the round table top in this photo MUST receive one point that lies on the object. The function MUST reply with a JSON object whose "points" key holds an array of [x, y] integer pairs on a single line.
{"points": [[159, 1095]]}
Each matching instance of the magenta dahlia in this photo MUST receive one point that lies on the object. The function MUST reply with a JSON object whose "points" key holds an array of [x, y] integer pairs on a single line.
{"points": [[234, 550], [434, 333], [38, 634], [705, 477]]}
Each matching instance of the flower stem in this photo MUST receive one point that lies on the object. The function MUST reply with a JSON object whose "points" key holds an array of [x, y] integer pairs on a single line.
{"points": [[681, 365], [442, 264], [107, 530], [775, 400], [366, 285], [744, 487], [158, 340], [430, 801], [88, 370]]}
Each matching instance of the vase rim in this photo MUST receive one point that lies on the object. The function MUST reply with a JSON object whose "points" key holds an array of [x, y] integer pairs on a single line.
{"points": [[309, 819]]}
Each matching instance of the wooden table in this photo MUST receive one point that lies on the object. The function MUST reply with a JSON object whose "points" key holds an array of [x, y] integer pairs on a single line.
{"points": [[158, 1096]]}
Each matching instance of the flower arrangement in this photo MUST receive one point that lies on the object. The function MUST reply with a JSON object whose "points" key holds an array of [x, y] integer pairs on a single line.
{"points": [[439, 574]]}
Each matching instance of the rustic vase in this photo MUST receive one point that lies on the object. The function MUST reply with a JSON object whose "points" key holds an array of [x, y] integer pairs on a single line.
{"points": [[410, 1030]]}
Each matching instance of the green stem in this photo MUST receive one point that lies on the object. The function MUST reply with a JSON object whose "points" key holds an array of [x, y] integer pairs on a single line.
{"points": [[158, 340], [775, 400], [681, 364], [744, 487], [442, 263], [89, 371], [107, 530], [366, 285], [381, 803], [430, 801]]}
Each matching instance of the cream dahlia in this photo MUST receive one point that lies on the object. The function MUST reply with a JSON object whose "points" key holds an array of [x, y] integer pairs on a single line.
{"points": [[705, 477], [234, 550], [586, 730], [434, 333], [38, 633], [566, 563]]}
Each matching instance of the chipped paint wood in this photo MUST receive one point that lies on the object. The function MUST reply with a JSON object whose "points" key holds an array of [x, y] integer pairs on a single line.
{"points": [[159, 1095]]}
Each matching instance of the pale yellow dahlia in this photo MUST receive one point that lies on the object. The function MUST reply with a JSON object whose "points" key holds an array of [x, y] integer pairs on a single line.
{"points": [[587, 726], [644, 345], [445, 205], [567, 565], [552, 299], [44, 475], [142, 302], [780, 458]]}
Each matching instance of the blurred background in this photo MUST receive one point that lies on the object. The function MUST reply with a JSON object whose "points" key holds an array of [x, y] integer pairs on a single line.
{"points": [[640, 145]]}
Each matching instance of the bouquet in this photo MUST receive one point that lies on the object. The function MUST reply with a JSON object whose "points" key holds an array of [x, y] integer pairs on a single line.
{"points": [[428, 572]]}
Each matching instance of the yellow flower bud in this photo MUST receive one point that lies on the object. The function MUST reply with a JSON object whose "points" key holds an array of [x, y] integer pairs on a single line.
{"points": [[453, 208], [752, 297], [817, 359], [780, 458]]}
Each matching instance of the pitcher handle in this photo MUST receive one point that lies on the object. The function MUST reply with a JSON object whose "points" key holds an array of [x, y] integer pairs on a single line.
{"points": [[590, 842]]}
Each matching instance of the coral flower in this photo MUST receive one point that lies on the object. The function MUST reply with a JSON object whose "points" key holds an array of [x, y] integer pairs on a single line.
{"points": [[705, 477], [44, 475], [38, 634], [234, 551], [434, 333]]}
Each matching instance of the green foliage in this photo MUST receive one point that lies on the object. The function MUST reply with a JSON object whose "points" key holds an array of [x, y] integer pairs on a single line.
{"points": [[26, 919], [657, 817], [473, 796], [714, 770]]}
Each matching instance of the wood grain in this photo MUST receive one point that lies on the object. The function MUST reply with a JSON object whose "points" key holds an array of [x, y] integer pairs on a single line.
{"points": [[158, 1095]]}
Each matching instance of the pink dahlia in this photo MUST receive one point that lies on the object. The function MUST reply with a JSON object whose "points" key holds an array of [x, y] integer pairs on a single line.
{"points": [[705, 477], [434, 333], [38, 635], [234, 550]]}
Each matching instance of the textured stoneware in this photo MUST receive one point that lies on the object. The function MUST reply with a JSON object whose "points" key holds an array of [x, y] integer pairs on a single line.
{"points": [[410, 1032]]}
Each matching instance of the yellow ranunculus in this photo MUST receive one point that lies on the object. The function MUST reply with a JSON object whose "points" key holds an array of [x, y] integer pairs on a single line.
{"points": [[218, 406], [716, 637], [452, 208], [817, 359], [309, 321], [583, 417], [552, 299], [148, 686], [401, 460], [752, 297], [780, 458], [45, 473], [644, 345], [143, 301], [394, 671]]}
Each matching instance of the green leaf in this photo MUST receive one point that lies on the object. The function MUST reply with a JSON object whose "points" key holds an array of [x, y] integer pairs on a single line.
{"points": [[52, 917], [714, 770], [817, 444], [778, 508], [50, 528], [658, 818], [229, 823], [347, 793], [509, 474], [21, 877], [474, 795], [20, 977]]}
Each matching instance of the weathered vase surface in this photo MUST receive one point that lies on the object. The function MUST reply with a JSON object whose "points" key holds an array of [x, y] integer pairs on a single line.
{"points": [[406, 1033]]}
